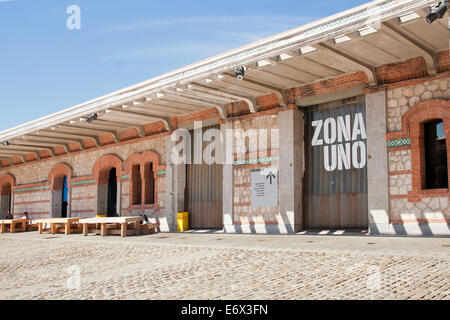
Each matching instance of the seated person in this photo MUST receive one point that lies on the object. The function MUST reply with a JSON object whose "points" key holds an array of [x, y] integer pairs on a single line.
{"points": [[9, 215], [26, 216]]}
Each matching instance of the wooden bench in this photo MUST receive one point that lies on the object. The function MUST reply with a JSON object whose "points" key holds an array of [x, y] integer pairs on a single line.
{"points": [[149, 228], [124, 226], [59, 225], [13, 225]]}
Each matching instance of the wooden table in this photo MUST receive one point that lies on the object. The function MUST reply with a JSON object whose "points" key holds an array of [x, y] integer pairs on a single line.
{"points": [[115, 225], [12, 223], [66, 225]]}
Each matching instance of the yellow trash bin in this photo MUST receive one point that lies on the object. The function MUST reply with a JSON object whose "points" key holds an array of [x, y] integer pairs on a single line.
{"points": [[101, 216], [183, 221]]}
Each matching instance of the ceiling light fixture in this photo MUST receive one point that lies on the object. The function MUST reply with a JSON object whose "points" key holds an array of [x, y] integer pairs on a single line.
{"points": [[437, 12], [240, 73], [92, 117]]}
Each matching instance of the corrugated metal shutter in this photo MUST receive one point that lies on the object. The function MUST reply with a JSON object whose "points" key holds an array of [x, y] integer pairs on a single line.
{"points": [[204, 193], [335, 182]]}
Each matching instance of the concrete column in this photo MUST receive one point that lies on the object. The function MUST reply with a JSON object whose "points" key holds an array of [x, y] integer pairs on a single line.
{"points": [[12, 203], [56, 205], [101, 197], [69, 202], [377, 165], [119, 198], [291, 148], [4, 205], [175, 188], [227, 194], [169, 198]]}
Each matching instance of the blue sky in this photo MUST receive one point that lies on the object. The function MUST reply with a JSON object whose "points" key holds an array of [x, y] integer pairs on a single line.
{"points": [[45, 67]]}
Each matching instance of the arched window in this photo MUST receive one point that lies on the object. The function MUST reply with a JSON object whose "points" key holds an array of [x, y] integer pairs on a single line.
{"points": [[136, 184], [107, 172], [5, 200], [436, 171], [426, 126], [143, 185], [60, 180], [142, 169], [149, 189]]}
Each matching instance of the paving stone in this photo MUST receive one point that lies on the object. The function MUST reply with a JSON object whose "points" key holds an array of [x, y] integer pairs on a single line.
{"points": [[193, 266]]}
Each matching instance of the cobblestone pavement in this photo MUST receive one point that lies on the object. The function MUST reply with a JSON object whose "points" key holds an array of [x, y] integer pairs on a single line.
{"points": [[221, 266]]}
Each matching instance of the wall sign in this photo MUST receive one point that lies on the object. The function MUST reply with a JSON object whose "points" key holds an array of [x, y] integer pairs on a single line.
{"points": [[342, 140], [399, 143], [264, 187]]}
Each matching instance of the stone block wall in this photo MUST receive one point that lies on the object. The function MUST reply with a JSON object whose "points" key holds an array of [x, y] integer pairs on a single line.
{"points": [[37, 203], [413, 210], [402, 99], [32, 191], [246, 217], [83, 201]]}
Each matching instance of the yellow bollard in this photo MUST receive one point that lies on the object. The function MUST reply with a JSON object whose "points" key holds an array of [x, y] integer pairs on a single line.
{"points": [[182, 221]]}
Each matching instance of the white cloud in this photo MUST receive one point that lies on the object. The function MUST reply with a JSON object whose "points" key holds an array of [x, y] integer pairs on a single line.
{"points": [[222, 34], [170, 50], [266, 21]]}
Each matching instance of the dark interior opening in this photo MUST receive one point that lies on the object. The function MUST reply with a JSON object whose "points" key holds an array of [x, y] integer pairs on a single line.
{"points": [[65, 198], [436, 170], [137, 185], [112, 193], [150, 184]]}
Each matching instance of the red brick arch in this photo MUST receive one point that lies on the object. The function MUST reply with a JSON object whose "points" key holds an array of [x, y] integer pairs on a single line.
{"points": [[148, 156], [7, 183], [57, 174], [423, 112], [102, 167], [413, 128], [143, 159]]}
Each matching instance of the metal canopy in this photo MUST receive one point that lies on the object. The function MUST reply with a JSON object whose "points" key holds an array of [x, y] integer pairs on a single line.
{"points": [[361, 39]]}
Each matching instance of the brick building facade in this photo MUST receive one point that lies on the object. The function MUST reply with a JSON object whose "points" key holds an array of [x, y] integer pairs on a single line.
{"points": [[403, 91]]}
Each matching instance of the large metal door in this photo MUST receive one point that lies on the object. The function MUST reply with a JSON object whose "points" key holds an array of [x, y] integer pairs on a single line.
{"points": [[335, 181], [204, 192]]}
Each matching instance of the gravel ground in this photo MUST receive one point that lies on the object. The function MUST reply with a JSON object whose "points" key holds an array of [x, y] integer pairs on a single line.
{"points": [[221, 266]]}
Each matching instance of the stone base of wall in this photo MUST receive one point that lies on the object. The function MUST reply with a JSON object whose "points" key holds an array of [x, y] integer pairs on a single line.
{"points": [[260, 229], [411, 229]]}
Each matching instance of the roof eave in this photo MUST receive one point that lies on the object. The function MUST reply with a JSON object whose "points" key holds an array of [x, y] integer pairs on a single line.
{"points": [[309, 34]]}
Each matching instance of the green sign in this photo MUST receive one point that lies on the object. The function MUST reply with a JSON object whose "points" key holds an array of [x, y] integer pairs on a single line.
{"points": [[82, 182], [263, 160], [399, 143], [32, 189]]}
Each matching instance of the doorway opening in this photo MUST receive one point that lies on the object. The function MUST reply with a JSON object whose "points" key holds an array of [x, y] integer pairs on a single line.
{"points": [[6, 200], [204, 189], [112, 193], [335, 181], [60, 197], [65, 198]]}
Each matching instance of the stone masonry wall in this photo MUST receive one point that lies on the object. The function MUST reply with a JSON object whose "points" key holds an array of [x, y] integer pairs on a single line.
{"points": [[33, 191], [400, 100], [404, 211], [243, 213]]}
